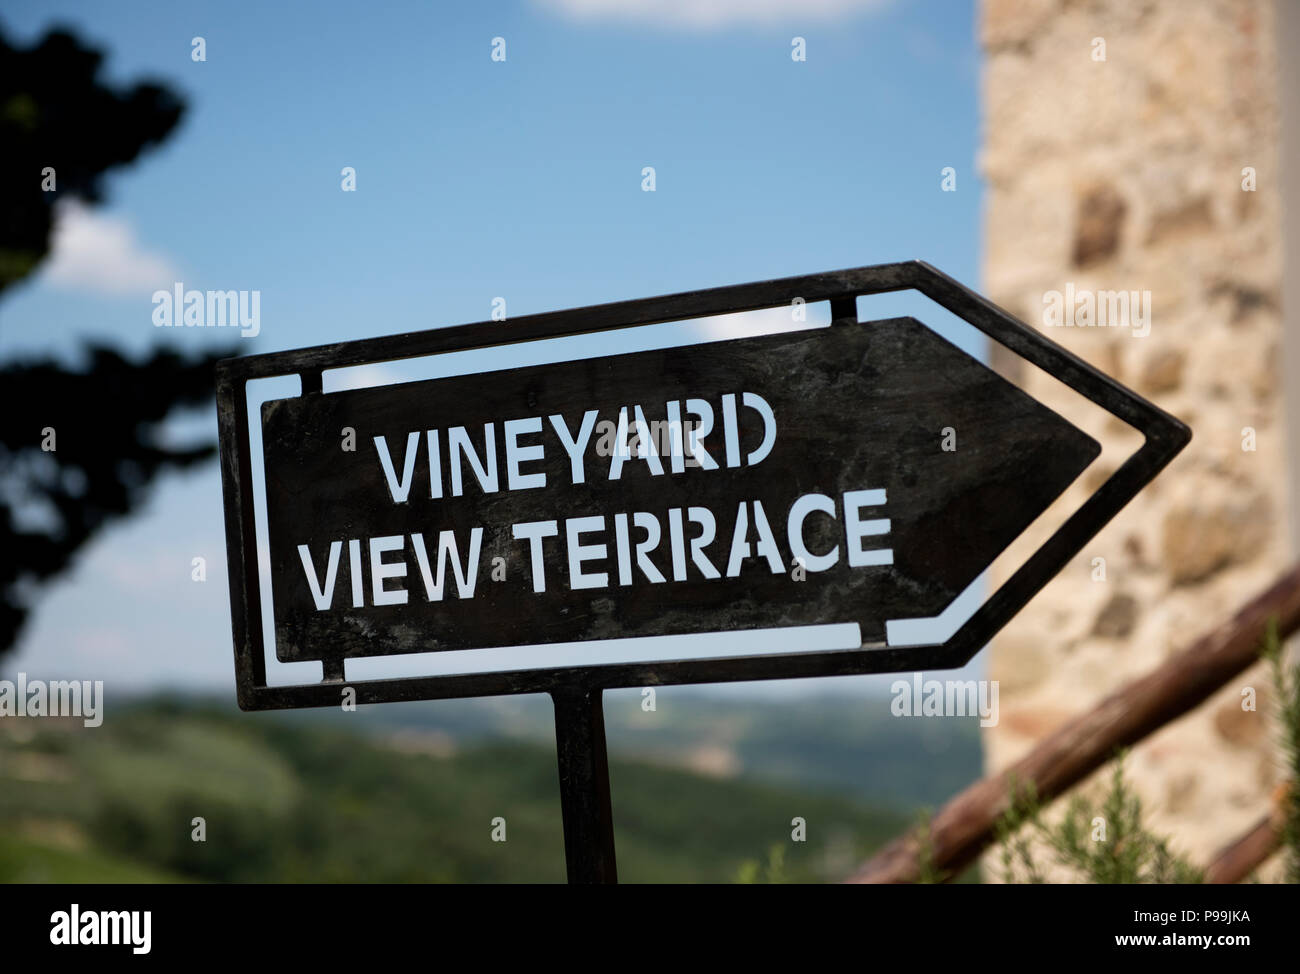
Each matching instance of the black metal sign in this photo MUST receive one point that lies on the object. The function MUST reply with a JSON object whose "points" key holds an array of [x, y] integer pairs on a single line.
{"points": [[861, 473], [774, 481]]}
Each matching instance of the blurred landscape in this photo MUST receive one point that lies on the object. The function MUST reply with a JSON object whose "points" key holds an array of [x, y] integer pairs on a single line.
{"points": [[703, 790], [111, 125]]}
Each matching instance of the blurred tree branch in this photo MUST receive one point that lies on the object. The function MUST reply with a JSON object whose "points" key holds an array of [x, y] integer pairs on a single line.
{"points": [[104, 425], [55, 113], [78, 447]]}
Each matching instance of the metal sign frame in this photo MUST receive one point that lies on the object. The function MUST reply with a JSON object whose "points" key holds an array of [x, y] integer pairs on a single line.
{"points": [[577, 690]]}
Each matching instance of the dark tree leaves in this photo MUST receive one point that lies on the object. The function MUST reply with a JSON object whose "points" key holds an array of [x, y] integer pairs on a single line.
{"points": [[55, 112], [105, 425], [104, 421]]}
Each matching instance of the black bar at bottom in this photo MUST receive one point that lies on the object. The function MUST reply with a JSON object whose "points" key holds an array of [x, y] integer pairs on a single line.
{"points": [[584, 786], [237, 923]]}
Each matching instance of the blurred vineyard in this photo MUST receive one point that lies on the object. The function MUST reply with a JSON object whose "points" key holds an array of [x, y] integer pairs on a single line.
{"points": [[300, 800]]}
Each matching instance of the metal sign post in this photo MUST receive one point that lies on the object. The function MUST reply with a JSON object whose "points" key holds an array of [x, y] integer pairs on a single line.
{"points": [[584, 786], [749, 483]]}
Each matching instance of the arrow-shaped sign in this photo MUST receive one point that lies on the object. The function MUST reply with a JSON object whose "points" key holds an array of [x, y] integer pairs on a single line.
{"points": [[861, 472]]}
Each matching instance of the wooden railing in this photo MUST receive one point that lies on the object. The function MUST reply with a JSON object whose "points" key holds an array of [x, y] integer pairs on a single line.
{"points": [[965, 826]]}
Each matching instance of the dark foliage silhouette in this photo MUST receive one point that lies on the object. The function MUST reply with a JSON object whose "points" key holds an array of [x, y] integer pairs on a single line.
{"points": [[104, 425], [55, 113], [103, 421]]}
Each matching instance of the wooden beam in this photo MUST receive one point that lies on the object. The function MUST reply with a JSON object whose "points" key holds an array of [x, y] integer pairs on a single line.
{"points": [[1239, 859], [964, 827], [1236, 861]]}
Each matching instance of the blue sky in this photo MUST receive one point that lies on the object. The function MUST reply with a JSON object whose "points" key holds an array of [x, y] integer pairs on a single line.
{"points": [[475, 179]]}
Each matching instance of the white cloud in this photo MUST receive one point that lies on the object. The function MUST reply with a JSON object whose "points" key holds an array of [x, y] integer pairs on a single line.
{"points": [[710, 14], [375, 374], [768, 321], [93, 252]]}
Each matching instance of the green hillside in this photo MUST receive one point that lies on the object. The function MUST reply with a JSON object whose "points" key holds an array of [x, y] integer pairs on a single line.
{"points": [[289, 801], [28, 861], [841, 743]]}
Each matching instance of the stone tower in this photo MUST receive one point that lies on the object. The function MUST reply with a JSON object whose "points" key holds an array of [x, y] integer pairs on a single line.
{"points": [[1137, 146]]}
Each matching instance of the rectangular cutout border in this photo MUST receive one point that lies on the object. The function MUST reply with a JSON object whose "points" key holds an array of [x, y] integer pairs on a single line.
{"points": [[1164, 436]]}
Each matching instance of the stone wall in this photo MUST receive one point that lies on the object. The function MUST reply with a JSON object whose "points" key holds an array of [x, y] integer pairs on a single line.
{"points": [[1127, 173]]}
